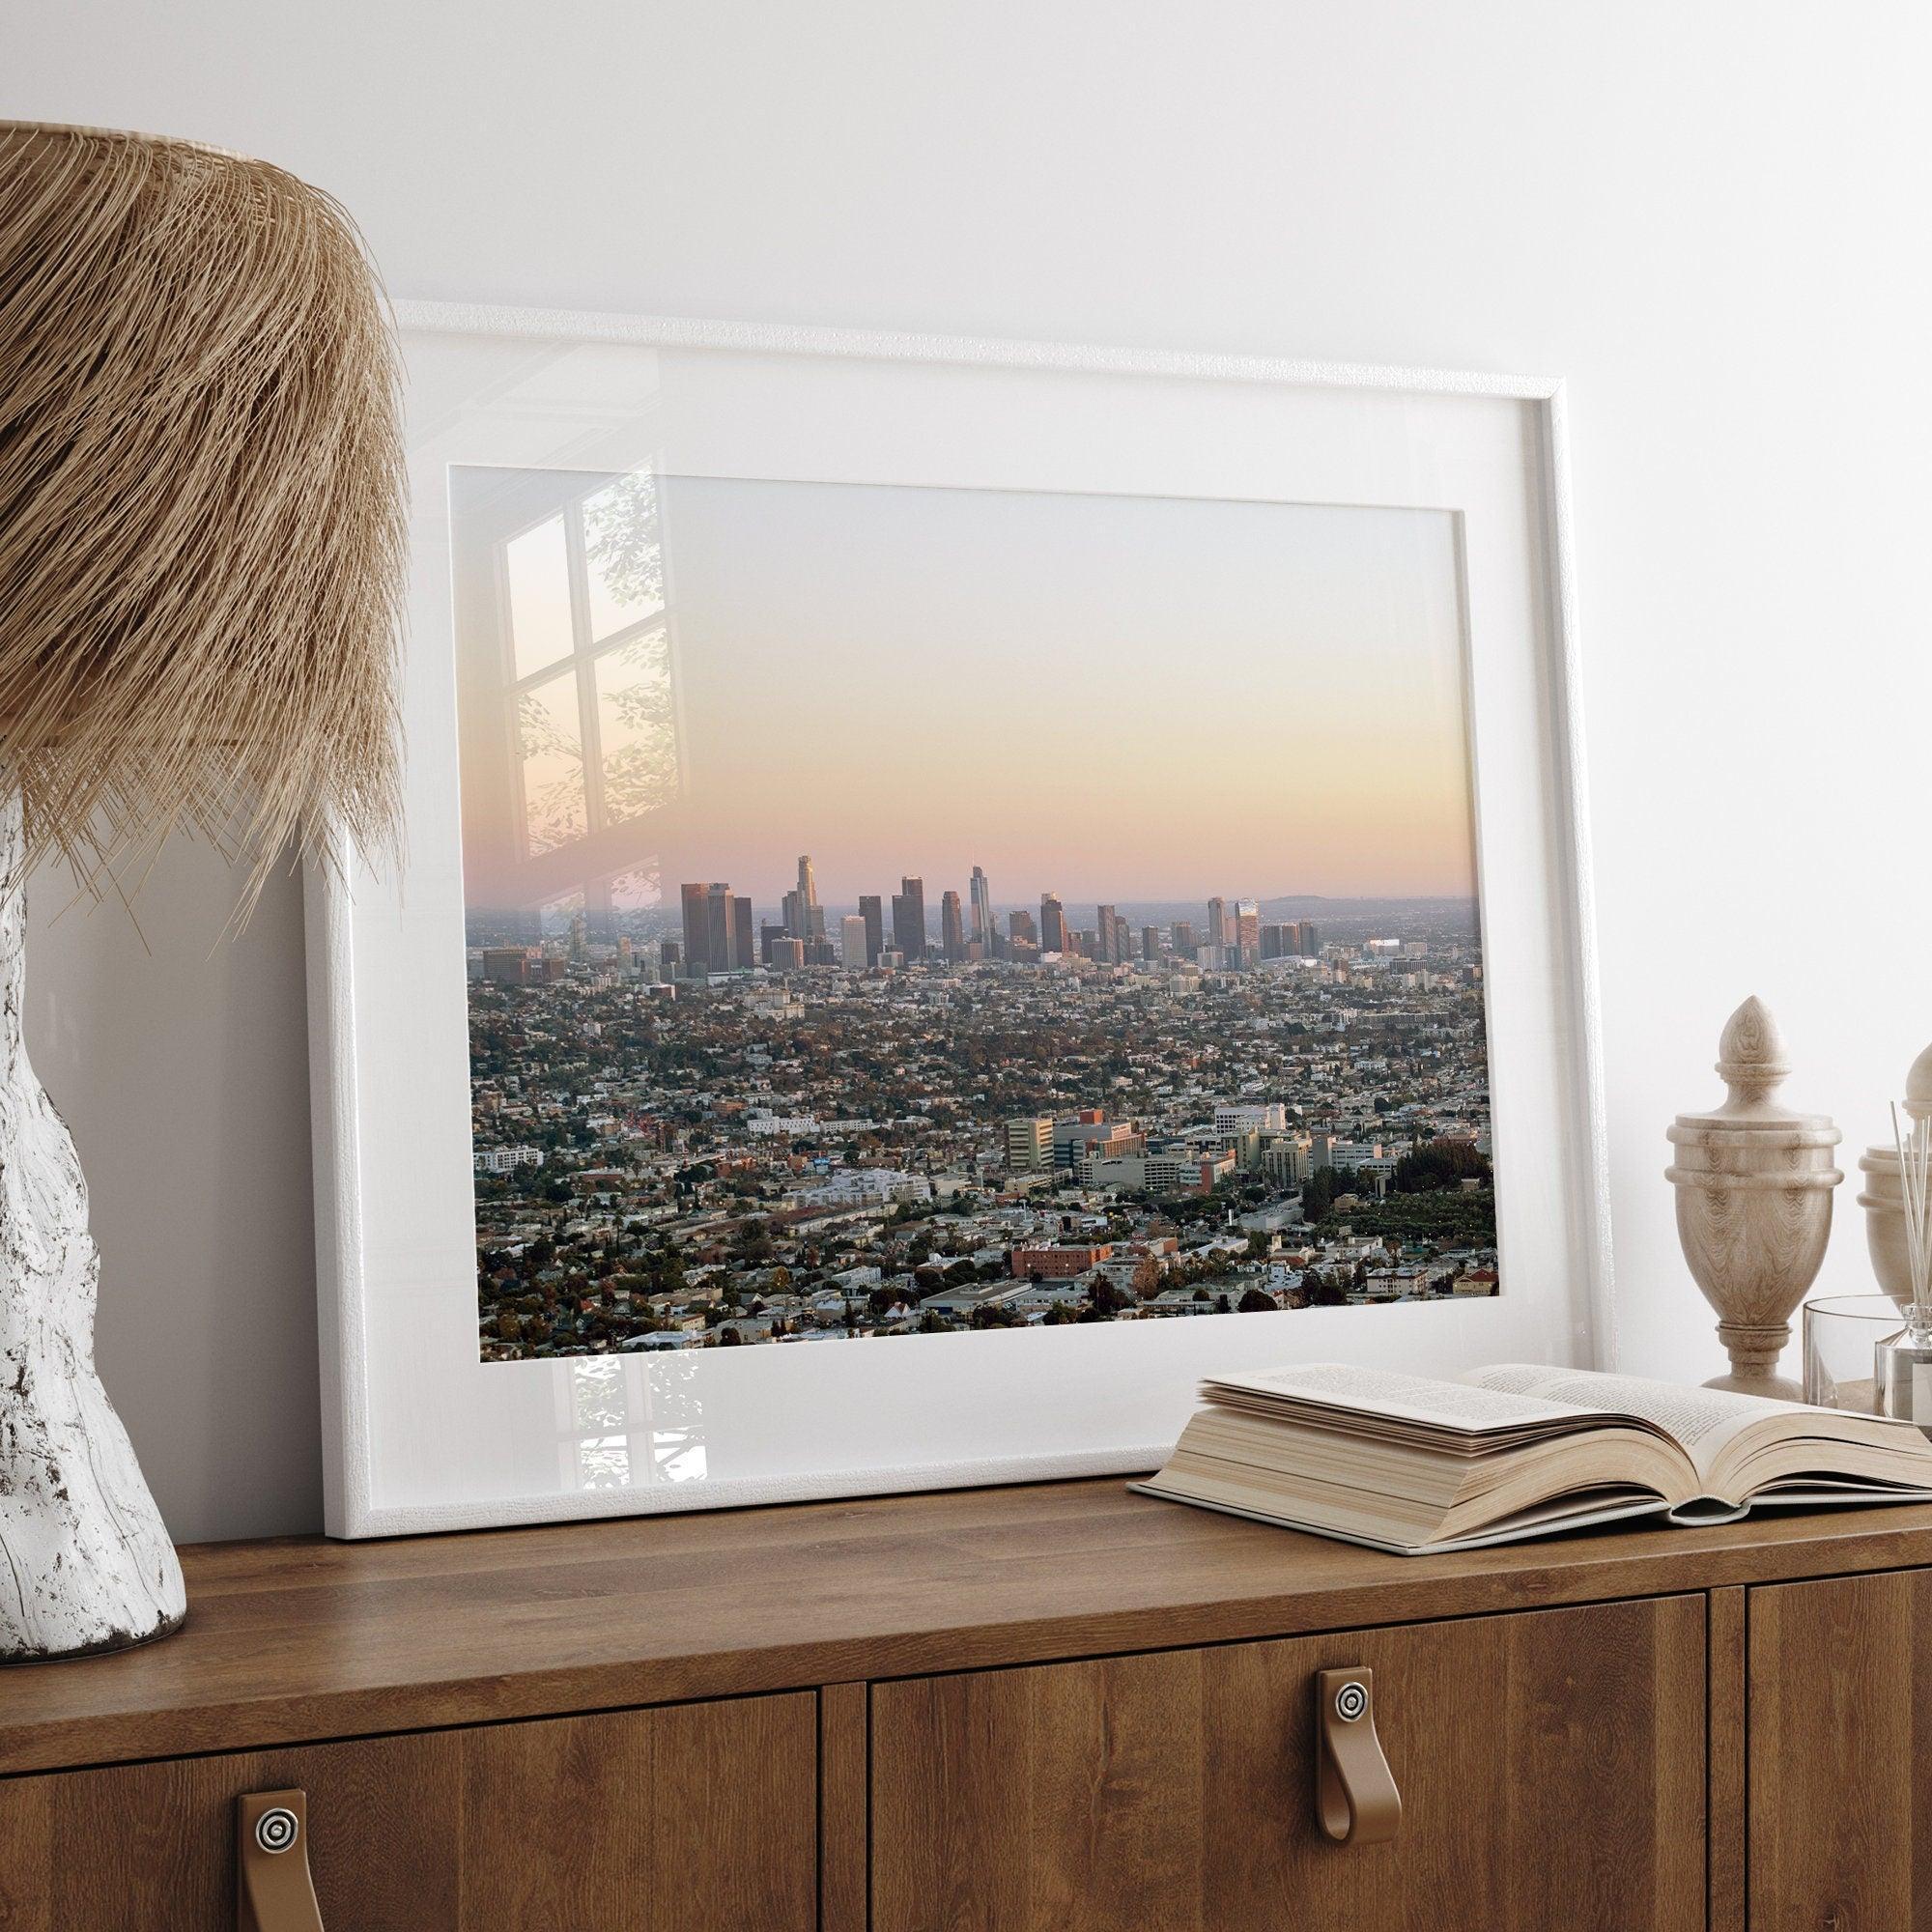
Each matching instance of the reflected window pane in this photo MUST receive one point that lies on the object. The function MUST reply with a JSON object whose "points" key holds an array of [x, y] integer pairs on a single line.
{"points": [[639, 890], [621, 549], [635, 727], [539, 574], [550, 743], [555, 917], [597, 1390], [604, 1463]]}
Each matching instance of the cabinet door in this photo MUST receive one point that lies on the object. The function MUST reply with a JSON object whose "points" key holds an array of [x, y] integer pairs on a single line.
{"points": [[1840, 1725], [691, 1818], [1550, 1766]]}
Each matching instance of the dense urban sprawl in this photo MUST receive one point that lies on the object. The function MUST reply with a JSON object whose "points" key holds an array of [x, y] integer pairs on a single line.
{"points": [[706, 1130]]}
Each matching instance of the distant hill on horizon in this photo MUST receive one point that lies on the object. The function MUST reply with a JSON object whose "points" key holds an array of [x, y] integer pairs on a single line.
{"points": [[1303, 901], [1284, 906]]}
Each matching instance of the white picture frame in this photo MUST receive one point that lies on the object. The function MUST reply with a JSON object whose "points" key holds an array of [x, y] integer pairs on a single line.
{"points": [[420, 1433]]}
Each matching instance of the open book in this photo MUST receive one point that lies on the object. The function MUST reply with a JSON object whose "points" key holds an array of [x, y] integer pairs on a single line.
{"points": [[1406, 1464]]}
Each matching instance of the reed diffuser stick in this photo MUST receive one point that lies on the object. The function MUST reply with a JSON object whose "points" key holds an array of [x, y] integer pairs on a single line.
{"points": [[1912, 1137]]}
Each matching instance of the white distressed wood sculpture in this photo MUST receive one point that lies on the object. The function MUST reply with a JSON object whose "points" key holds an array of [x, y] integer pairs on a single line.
{"points": [[1754, 1183], [1883, 1199], [85, 1562]]}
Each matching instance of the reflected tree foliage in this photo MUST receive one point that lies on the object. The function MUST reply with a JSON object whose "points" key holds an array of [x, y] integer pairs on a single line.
{"points": [[622, 538]]}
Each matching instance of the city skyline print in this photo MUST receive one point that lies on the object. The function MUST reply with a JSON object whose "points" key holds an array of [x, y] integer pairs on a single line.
{"points": [[899, 912]]}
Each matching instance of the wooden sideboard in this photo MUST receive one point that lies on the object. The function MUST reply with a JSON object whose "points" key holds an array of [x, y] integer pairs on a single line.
{"points": [[1050, 1709]]}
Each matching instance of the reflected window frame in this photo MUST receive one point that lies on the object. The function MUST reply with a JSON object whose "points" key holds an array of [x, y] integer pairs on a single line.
{"points": [[583, 656]]}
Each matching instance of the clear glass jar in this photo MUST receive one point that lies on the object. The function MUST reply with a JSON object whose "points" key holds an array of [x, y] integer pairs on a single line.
{"points": [[1841, 1336]]}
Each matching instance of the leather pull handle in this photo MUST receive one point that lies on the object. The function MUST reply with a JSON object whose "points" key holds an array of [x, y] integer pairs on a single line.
{"points": [[1356, 1799], [273, 1892]]}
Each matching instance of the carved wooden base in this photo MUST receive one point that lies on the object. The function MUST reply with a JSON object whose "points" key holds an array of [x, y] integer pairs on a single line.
{"points": [[1754, 1350], [85, 1562], [1776, 1388]]}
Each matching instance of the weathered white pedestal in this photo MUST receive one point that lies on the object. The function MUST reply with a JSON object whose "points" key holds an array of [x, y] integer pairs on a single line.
{"points": [[85, 1562]]}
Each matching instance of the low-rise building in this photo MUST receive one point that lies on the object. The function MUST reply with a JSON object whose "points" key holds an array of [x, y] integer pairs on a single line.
{"points": [[1039, 1297], [956, 1304], [1059, 1262], [1090, 1134], [856, 1187], [506, 1160], [1175, 1172]]}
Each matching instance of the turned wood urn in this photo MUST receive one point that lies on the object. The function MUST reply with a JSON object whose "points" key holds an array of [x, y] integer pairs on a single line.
{"points": [[1754, 1183]]}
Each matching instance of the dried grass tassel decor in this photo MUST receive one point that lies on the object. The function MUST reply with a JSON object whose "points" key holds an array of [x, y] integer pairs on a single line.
{"points": [[201, 506], [201, 556]]}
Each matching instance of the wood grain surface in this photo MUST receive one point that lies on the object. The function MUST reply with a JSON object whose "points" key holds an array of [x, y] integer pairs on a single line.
{"points": [[1726, 1784], [301, 1640], [844, 1797], [1550, 1765], [698, 1818], [1840, 1717]]}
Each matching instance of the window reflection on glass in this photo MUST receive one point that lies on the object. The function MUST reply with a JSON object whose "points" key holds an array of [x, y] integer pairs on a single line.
{"points": [[623, 555], [595, 719], [634, 726], [679, 1456], [604, 1463], [550, 747], [537, 567], [638, 890], [555, 918], [597, 1395], [600, 1415], [568, 718]]}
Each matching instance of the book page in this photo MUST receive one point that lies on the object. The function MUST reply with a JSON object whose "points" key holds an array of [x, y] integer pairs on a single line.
{"points": [[1704, 1421], [1578, 1513], [1459, 1405]]}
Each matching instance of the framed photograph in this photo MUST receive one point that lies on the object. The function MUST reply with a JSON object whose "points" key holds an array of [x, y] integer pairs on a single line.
{"points": [[953, 888]]}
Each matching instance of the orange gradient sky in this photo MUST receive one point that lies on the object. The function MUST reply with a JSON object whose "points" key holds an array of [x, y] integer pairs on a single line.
{"points": [[1117, 698]]}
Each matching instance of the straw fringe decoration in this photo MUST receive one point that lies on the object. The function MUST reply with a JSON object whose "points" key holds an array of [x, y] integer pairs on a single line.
{"points": [[202, 528]]}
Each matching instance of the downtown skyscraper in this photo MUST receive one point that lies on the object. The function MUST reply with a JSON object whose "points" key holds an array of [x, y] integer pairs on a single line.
{"points": [[1247, 935], [1052, 924], [982, 909], [871, 909], [707, 928], [909, 919], [803, 916]]}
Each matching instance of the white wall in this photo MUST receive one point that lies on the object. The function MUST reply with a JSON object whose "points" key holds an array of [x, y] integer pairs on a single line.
{"points": [[1711, 218]]}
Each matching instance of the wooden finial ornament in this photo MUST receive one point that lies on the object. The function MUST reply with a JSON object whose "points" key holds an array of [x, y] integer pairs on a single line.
{"points": [[1751, 1063], [1918, 1088], [1753, 1180]]}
